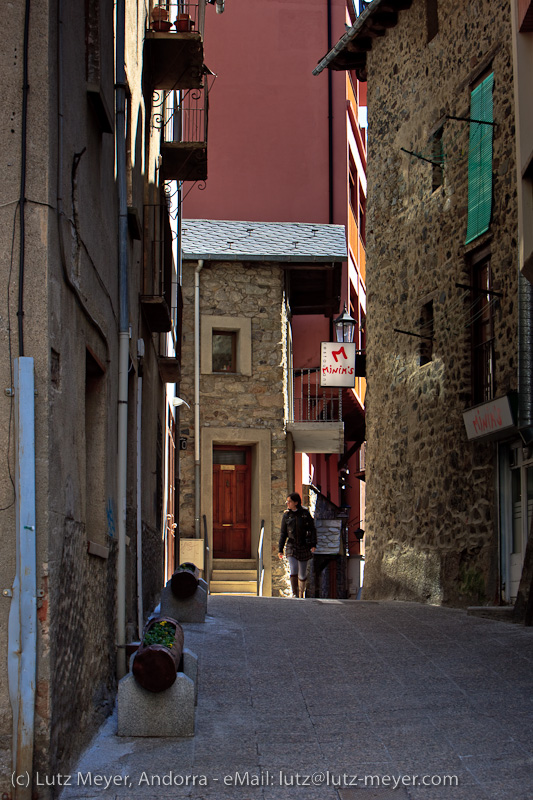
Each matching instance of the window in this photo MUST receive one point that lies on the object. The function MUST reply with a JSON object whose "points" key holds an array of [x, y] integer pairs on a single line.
{"points": [[480, 160], [224, 351], [482, 332], [362, 215], [437, 177], [225, 345], [432, 18], [95, 448], [426, 330]]}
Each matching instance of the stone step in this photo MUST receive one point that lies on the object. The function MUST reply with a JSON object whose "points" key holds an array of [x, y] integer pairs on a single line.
{"points": [[233, 587], [234, 575], [233, 563]]}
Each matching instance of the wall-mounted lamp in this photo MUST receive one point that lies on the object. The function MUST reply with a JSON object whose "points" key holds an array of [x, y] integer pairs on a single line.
{"points": [[179, 401], [344, 327]]}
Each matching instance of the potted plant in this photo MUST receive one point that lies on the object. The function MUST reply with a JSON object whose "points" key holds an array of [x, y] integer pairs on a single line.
{"points": [[184, 23], [160, 19]]}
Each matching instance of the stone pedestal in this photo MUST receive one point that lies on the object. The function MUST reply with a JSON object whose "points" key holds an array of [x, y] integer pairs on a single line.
{"points": [[168, 713], [193, 609], [190, 668]]}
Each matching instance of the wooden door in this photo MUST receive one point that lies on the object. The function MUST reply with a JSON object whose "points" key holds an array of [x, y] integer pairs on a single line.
{"points": [[231, 502]]}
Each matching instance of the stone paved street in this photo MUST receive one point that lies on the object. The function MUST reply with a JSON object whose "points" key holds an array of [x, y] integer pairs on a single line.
{"points": [[304, 698]]}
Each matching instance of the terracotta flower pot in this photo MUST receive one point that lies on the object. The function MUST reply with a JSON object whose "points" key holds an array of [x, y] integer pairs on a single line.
{"points": [[161, 25], [184, 23]]}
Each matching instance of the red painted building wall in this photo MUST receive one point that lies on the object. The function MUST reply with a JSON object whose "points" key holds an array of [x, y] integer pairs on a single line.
{"points": [[270, 155]]}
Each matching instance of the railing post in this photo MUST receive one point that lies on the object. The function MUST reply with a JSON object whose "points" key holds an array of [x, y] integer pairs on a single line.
{"points": [[260, 569]]}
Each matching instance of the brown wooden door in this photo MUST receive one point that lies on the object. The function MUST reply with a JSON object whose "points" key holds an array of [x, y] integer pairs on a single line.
{"points": [[231, 502]]}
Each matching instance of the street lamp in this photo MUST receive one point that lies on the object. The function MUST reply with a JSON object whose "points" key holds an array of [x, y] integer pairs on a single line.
{"points": [[179, 401], [344, 327]]}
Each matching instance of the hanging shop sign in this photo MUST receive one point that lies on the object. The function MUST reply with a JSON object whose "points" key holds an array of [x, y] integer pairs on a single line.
{"points": [[337, 364], [492, 420]]}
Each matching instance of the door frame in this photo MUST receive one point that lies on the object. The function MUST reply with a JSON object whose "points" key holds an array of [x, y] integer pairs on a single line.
{"points": [[259, 441]]}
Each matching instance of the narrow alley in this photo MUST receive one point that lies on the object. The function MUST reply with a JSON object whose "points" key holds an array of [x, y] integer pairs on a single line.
{"points": [[330, 699]]}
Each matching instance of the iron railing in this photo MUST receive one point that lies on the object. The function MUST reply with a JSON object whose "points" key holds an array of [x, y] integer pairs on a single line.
{"points": [[181, 116], [260, 565], [207, 556], [176, 17], [312, 402]]}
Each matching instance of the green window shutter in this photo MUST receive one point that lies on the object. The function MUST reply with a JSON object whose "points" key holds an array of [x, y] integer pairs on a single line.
{"points": [[480, 161]]}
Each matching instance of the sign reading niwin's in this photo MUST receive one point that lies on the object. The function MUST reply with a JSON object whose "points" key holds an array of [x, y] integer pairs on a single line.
{"points": [[337, 364], [493, 419]]}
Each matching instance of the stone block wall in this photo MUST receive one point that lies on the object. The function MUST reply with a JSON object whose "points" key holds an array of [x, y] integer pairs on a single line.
{"points": [[431, 523]]}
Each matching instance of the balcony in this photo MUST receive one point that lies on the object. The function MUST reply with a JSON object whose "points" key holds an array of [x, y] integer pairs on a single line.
{"points": [[156, 301], [315, 414], [173, 45], [182, 119]]}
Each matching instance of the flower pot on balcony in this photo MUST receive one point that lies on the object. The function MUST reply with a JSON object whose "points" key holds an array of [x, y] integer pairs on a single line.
{"points": [[184, 23], [160, 19]]}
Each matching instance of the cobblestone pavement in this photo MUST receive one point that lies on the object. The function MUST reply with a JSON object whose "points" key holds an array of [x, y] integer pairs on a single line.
{"points": [[348, 700]]}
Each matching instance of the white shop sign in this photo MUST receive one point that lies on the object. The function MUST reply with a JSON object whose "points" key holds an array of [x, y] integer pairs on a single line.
{"points": [[337, 364], [490, 419]]}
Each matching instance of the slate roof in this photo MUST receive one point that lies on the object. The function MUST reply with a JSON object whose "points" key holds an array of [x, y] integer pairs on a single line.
{"points": [[351, 50], [227, 240]]}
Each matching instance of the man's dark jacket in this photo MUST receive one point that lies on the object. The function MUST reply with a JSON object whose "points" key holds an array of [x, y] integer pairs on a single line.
{"points": [[299, 533]]}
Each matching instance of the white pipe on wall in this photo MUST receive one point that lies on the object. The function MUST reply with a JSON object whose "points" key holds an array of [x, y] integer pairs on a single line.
{"points": [[197, 271], [22, 626], [140, 609], [124, 336]]}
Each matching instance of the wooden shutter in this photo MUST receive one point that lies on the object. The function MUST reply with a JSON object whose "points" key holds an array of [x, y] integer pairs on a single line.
{"points": [[480, 160]]}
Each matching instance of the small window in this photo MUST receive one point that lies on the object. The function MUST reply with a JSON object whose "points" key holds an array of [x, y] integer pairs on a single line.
{"points": [[482, 331], [224, 351], [432, 18], [426, 331], [437, 178], [229, 457]]}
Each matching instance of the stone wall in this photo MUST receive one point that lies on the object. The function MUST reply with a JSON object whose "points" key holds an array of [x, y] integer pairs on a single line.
{"points": [[254, 291], [431, 525]]}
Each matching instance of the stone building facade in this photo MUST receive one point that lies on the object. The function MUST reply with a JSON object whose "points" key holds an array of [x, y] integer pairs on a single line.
{"points": [[82, 203], [449, 466], [238, 290], [433, 509]]}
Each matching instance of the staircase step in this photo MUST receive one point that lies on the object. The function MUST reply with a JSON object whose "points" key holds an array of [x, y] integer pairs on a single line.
{"points": [[234, 575], [234, 563], [233, 587]]}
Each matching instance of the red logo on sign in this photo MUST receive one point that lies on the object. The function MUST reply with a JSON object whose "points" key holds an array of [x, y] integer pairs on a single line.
{"points": [[336, 353]]}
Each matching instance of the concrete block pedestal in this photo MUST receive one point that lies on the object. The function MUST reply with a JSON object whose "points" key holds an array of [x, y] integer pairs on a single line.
{"points": [[193, 609], [168, 713]]}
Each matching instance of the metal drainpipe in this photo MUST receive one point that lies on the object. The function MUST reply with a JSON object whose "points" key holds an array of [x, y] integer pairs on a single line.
{"points": [[197, 271], [330, 124], [525, 359], [124, 336], [140, 608], [22, 625]]}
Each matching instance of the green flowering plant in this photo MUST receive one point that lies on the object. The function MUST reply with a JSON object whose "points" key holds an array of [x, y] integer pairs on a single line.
{"points": [[161, 633]]}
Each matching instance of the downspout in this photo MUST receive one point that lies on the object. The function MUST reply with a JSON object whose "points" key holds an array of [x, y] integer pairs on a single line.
{"points": [[330, 124], [197, 271], [525, 359], [22, 625], [140, 609], [123, 343]]}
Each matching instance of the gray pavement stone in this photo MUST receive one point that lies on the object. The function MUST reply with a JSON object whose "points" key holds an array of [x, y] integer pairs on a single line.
{"points": [[356, 688]]}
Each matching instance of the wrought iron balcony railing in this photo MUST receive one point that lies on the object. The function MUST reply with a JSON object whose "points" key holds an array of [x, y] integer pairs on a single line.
{"points": [[310, 401], [176, 17], [182, 118]]}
